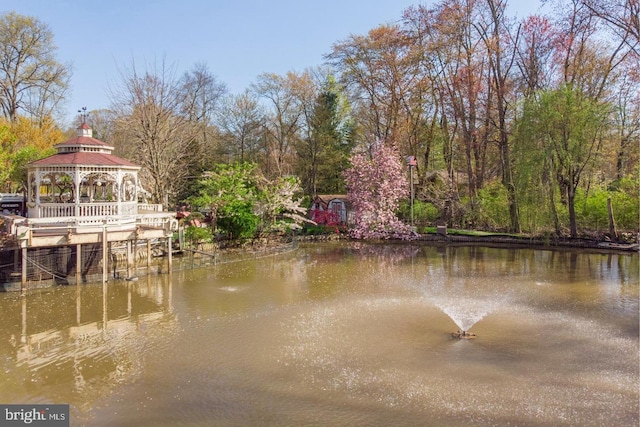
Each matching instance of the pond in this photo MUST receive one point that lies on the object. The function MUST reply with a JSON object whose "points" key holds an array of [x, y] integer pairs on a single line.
{"points": [[340, 333]]}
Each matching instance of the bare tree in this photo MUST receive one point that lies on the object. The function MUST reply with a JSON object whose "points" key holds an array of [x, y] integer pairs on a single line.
{"points": [[152, 128], [536, 46], [242, 119], [284, 120], [626, 125], [31, 80], [495, 33], [622, 15], [202, 96], [202, 93], [102, 123], [381, 73]]}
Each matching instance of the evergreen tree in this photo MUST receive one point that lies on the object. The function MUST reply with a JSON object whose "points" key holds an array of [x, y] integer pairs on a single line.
{"points": [[324, 154]]}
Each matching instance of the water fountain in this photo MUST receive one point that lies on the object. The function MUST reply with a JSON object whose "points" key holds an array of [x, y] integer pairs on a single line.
{"points": [[467, 310], [463, 335]]}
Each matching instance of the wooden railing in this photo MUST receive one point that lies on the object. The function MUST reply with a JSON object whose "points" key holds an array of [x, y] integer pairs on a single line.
{"points": [[63, 210], [90, 215], [56, 210], [97, 209], [149, 207]]}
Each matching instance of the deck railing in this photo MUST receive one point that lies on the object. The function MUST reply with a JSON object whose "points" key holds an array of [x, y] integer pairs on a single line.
{"points": [[154, 207], [97, 209], [63, 210], [97, 214]]}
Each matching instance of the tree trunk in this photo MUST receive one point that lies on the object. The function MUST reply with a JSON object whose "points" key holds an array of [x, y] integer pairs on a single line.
{"points": [[612, 222], [571, 200], [554, 211]]}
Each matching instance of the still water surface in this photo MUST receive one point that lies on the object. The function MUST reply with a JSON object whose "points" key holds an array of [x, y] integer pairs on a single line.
{"points": [[339, 334]]}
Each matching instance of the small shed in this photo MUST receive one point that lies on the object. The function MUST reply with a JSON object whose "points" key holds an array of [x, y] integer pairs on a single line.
{"points": [[330, 209]]}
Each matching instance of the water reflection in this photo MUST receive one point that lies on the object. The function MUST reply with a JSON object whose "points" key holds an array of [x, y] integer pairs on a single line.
{"points": [[339, 334], [76, 344]]}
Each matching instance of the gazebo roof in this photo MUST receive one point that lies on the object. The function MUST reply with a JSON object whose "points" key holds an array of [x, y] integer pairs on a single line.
{"points": [[84, 150], [84, 158], [84, 141]]}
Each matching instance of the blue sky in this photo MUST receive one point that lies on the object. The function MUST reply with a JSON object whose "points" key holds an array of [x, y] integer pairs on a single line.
{"points": [[237, 39]]}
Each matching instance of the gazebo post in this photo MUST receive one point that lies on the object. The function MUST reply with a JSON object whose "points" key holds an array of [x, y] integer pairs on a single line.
{"points": [[76, 184]]}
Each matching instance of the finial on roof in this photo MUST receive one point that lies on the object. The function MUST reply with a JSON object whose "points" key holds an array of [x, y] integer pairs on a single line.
{"points": [[84, 129], [83, 114]]}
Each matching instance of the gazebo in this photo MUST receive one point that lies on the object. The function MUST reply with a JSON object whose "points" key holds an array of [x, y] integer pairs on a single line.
{"points": [[83, 180], [85, 196]]}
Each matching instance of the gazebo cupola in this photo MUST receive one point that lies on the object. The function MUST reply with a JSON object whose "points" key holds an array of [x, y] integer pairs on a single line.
{"points": [[83, 179]]}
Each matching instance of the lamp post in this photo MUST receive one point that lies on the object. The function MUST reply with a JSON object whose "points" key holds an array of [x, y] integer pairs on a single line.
{"points": [[412, 162]]}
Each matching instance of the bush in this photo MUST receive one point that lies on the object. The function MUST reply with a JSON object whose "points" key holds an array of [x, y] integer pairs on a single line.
{"points": [[493, 207], [424, 213], [197, 235], [315, 230], [242, 224], [591, 209]]}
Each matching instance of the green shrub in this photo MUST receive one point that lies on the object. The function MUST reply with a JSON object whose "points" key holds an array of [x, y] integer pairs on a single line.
{"points": [[197, 235], [242, 224], [492, 211], [592, 212], [423, 212]]}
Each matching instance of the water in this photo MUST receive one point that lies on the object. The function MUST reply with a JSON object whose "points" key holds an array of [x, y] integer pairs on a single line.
{"points": [[339, 334]]}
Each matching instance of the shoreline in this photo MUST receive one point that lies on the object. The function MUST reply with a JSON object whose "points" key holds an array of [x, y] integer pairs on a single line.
{"points": [[497, 240]]}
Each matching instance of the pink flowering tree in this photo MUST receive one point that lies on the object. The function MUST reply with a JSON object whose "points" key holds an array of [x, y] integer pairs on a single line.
{"points": [[375, 185]]}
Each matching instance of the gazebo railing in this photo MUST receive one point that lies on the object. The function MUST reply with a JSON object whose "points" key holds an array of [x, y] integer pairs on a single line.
{"points": [[97, 209], [55, 210], [60, 210]]}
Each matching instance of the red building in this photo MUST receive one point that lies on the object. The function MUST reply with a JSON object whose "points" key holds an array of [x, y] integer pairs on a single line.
{"points": [[330, 210]]}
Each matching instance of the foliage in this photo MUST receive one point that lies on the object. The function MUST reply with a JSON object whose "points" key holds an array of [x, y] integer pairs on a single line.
{"points": [[21, 142], [314, 230], [195, 234], [375, 186], [42, 134], [469, 91], [21, 159], [6, 152], [277, 206], [324, 151], [423, 212], [562, 128], [492, 214], [231, 192], [592, 209], [243, 203]]}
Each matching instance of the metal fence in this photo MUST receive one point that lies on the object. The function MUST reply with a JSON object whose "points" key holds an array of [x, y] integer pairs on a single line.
{"points": [[212, 254]]}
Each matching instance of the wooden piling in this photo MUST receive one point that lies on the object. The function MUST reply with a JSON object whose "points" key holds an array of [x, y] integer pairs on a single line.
{"points": [[78, 263], [105, 258], [23, 280], [170, 254]]}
